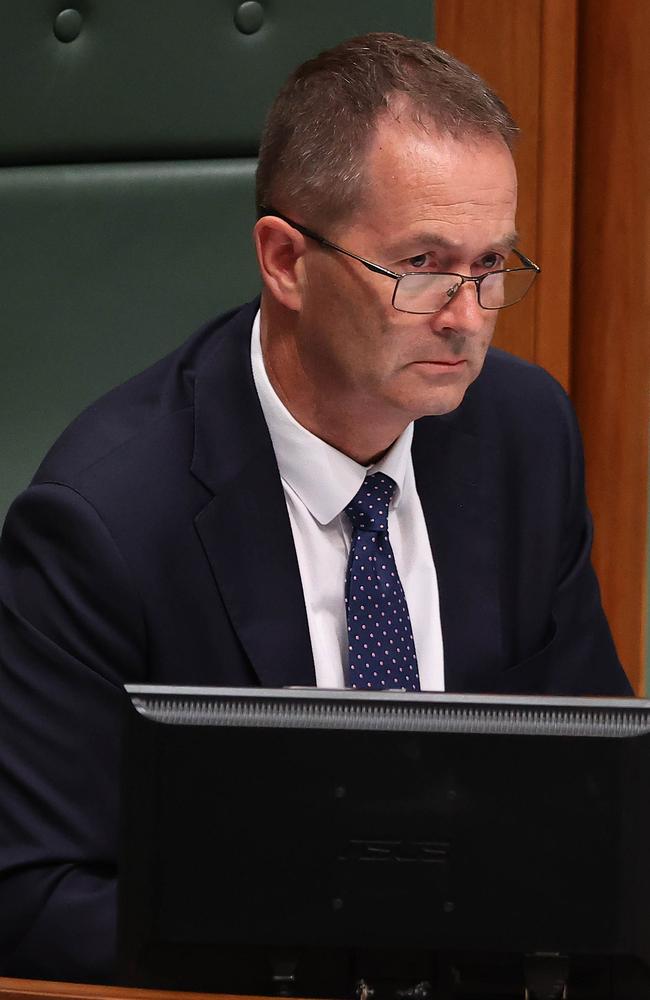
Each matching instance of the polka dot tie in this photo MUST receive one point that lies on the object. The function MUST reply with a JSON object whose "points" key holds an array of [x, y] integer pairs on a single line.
{"points": [[381, 650]]}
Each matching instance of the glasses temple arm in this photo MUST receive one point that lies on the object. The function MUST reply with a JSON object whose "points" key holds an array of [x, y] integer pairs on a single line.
{"points": [[310, 234]]}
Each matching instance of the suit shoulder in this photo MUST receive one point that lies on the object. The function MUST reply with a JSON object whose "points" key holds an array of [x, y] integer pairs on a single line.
{"points": [[508, 383], [520, 408], [516, 371], [131, 414]]}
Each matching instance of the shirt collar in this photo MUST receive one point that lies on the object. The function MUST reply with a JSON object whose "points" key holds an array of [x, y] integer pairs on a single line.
{"points": [[324, 478]]}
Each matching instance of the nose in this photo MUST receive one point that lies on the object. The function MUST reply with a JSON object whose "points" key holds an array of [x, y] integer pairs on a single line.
{"points": [[463, 312]]}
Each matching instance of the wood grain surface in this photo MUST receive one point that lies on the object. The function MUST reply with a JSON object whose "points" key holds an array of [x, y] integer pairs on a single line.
{"points": [[37, 989], [576, 75], [611, 343]]}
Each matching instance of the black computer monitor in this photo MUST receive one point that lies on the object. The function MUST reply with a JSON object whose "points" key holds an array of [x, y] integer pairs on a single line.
{"points": [[322, 843]]}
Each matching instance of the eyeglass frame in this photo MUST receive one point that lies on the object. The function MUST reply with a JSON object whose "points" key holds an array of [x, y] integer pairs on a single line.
{"points": [[529, 265]]}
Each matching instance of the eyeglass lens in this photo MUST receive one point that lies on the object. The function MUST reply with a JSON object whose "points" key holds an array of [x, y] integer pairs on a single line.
{"points": [[427, 292]]}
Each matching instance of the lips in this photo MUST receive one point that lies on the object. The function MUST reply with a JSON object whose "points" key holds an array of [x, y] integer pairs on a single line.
{"points": [[446, 364]]}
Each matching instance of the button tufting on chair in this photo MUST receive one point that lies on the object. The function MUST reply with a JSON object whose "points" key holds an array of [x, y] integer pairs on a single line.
{"points": [[68, 24], [249, 17]]}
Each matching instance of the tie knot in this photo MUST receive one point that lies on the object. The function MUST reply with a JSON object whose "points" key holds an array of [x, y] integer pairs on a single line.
{"points": [[368, 510]]}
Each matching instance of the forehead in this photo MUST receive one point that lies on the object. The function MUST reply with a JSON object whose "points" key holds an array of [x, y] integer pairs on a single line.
{"points": [[418, 179]]}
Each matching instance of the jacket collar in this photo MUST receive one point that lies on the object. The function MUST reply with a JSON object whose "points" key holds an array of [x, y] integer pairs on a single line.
{"points": [[245, 528]]}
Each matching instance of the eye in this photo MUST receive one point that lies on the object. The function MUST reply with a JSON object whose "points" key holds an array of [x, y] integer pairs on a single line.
{"points": [[418, 261], [490, 262]]}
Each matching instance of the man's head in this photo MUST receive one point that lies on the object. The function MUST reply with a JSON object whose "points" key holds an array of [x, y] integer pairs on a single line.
{"points": [[322, 122], [401, 156]]}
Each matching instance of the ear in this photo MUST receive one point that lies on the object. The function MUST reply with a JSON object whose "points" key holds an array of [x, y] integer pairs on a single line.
{"points": [[280, 249]]}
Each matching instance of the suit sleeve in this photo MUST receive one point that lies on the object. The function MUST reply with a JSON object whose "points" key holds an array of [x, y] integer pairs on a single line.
{"points": [[577, 655], [579, 616], [71, 633]]}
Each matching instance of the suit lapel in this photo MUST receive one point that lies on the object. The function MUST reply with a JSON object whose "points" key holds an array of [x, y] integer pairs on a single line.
{"points": [[454, 472], [245, 529]]}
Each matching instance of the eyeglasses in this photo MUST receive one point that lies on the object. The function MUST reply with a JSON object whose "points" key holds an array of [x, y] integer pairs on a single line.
{"points": [[430, 291]]}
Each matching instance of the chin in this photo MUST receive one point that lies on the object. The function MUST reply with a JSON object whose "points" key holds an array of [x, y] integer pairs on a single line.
{"points": [[429, 393], [444, 406], [435, 404]]}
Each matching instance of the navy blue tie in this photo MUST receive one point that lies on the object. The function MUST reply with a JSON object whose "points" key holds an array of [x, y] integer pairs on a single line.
{"points": [[381, 649]]}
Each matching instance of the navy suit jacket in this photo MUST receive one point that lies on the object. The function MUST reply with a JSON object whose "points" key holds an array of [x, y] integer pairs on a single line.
{"points": [[154, 545]]}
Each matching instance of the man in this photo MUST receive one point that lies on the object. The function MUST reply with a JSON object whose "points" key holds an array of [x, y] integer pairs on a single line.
{"points": [[206, 522]]}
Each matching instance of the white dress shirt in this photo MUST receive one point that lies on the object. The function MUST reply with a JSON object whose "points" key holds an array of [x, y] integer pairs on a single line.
{"points": [[318, 483]]}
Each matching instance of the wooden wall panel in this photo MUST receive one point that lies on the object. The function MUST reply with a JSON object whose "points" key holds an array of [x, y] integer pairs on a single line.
{"points": [[611, 359], [575, 75], [527, 53], [501, 41], [555, 180]]}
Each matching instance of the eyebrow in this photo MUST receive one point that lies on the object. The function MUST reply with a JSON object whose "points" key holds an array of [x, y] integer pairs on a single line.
{"points": [[427, 238]]}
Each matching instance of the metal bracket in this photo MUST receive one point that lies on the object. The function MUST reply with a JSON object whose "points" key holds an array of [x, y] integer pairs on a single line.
{"points": [[546, 976]]}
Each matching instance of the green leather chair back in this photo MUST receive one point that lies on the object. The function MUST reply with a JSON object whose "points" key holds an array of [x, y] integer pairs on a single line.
{"points": [[127, 158]]}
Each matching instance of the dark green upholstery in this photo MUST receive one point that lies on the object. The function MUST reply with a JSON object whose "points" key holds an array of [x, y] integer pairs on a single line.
{"points": [[126, 184], [146, 78], [107, 268]]}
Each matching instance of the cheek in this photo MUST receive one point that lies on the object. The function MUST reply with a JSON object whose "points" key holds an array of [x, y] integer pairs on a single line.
{"points": [[353, 332], [363, 334], [490, 324]]}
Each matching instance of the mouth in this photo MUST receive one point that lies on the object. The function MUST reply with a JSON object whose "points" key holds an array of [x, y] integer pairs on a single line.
{"points": [[438, 365]]}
